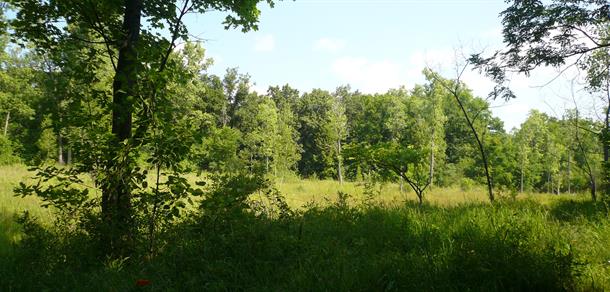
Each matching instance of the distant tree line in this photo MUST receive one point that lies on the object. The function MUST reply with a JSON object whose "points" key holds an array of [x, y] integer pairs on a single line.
{"points": [[52, 113]]}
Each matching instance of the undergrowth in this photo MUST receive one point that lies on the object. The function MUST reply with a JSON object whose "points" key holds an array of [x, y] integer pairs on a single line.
{"points": [[343, 246]]}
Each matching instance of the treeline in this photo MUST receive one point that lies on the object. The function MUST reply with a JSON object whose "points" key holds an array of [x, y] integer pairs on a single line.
{"points": [[55, 112]]}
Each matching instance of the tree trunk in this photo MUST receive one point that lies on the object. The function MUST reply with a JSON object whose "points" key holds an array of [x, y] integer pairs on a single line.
{"points": [[589, 170], [481, 148], [522, 174], [116, 196], [8, 117], [420, 198], [432, 160], [593, 188], [569, 171], [605, 139], [339, 162], [60, 149], [69, 158]]}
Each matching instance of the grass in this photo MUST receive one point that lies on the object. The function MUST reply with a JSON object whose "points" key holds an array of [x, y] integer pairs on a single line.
{"points": [[455, 242], [10, 233]]}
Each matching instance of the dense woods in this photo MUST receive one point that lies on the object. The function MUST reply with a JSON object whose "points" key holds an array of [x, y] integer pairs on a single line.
{"points": [[144, 156], [222, 125]]}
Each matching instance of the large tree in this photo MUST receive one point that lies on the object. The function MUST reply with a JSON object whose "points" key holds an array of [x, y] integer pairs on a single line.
{"points": [[138, 38], [556, 33]]}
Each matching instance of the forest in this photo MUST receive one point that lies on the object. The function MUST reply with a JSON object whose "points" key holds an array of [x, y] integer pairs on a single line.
{"points": [[125, 164]]}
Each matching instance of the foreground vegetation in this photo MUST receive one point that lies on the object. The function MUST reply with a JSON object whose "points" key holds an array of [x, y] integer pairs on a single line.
{"points": [[454, 242], [117, 118]]}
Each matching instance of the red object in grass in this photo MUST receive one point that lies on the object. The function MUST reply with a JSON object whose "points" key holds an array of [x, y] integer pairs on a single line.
{"points": [[142, 282]]}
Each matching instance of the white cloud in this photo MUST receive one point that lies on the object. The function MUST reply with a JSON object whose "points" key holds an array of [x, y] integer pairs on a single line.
{"points": [[260, 89], [369, 76], [533, 92], [329, 45], [264, 43]]}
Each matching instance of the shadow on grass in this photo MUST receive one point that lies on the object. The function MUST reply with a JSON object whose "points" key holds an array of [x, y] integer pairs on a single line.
{"points": [[573, 210], [338, 248], [9, 232]]}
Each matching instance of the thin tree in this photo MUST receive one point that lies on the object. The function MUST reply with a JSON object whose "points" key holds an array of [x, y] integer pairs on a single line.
{"points": [[455, 88]]}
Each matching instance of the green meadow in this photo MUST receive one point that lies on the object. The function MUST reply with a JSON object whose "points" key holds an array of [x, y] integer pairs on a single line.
{"points": [[456, 241]]}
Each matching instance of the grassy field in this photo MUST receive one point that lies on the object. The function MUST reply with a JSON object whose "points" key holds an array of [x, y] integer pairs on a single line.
{"points": [[455, 242]]}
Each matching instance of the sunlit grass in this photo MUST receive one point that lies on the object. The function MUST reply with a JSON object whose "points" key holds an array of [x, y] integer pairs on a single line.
{"points": [[10, 205], [298, 192], [366, 245]]}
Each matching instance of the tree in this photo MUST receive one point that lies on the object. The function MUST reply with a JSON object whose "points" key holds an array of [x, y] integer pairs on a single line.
{"points": [[335, 131], [457, 89], [434, 96], [406, 161], [373, 119], [139, 56], [259, 124], [557, 33], [312, 110], [528, 140], [288, 151]]}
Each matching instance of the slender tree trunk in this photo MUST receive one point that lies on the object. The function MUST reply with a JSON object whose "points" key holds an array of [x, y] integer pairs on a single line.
{"points": [[522, 175], [592, 184], [8, 117], [569, 171], [339, 162], [605, 139], [481, 147], [69, 158], [116, 196], [432, 160], [402, 185], [60, 149]]}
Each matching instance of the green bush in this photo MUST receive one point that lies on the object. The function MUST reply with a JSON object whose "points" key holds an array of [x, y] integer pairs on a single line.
{"points": [[7, 156]]}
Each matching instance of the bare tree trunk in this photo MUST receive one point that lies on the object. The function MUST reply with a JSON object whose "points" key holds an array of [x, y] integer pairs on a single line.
{"points": [[605, 139], [605, 142], [8, 117], [481, 147], [589, 170], [455, 91], [522, 174], [569, 171], [402, 185], [339, 162], [60, 149], [432, 160]]}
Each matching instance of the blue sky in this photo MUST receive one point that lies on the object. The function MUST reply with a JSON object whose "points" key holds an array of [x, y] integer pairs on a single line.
{"points": [[373, 46]]}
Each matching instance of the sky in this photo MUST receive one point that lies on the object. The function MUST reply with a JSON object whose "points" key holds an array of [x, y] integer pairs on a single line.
{"points": [[375, 45]]}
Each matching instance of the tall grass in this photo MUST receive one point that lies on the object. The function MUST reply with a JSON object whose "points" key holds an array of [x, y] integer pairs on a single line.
{"points": [[455, 242], [10, 176]]}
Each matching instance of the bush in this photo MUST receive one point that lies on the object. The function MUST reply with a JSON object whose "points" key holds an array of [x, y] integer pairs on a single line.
{"points": [[466, 184], [7, 156]]}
